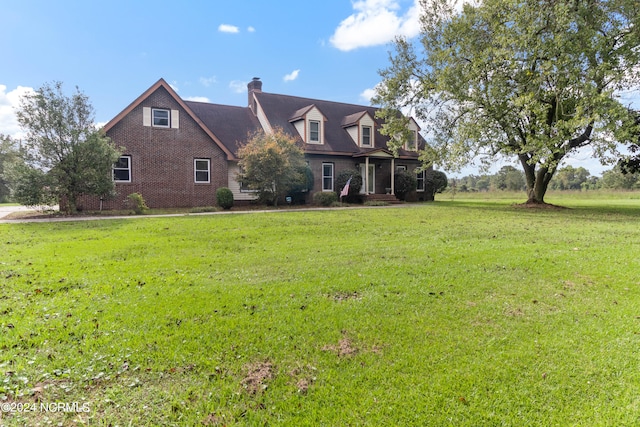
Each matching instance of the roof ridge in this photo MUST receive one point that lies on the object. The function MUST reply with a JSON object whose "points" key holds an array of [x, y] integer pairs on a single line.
{"points": [[318, 100]]}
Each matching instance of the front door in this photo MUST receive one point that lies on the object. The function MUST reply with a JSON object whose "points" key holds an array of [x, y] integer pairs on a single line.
{"points": [[369, 179]]}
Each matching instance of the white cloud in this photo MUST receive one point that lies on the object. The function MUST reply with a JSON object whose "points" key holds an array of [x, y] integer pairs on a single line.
{"points": [[9, 101], [292, 76], [197, 98], [238, 86], [376, 22], [367, 94], [225, 28], [208, 81], [251, 29]]}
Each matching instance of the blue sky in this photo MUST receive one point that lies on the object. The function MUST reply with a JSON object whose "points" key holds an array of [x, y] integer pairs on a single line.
{"points": [[207, 50]]}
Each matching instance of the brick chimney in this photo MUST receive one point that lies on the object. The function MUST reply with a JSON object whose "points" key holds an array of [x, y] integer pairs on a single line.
{"points": [[254, 86]]}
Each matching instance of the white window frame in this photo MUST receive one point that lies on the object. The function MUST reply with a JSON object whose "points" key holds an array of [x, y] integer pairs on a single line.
{"points": [[331, 177], [319, 140], [370, 129], [154, 119], [196, 170], [420, 177], [128, 169]]}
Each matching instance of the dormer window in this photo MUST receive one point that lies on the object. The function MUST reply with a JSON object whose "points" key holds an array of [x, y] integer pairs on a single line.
{"points": [[314, 132], [412, 143], [309, 122], [366, 136]]}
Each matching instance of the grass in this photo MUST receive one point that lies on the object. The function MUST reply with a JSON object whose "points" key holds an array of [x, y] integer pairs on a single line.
{"points": [[464, 313]]}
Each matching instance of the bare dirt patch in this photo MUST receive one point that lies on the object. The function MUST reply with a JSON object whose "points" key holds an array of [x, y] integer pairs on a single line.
{"points": [[258, 374], [344, 348]]}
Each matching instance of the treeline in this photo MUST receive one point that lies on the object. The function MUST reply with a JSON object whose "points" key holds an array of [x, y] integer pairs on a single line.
{"points": [[568, 178]]}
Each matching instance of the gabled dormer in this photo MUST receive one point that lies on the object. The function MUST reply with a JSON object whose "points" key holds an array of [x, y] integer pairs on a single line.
{"points": [[360, 127], [309, 122]]}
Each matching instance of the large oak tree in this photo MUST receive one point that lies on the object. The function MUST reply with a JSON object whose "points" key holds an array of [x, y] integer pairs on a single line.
{"points": [[532, 79]]}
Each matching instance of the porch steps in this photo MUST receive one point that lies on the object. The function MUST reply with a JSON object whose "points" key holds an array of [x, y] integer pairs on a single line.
{"points": [[389, 198]]}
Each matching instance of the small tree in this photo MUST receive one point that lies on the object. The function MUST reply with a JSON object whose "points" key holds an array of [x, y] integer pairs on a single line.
{"points": [[9, 156], [64, 153], [272, 164]]}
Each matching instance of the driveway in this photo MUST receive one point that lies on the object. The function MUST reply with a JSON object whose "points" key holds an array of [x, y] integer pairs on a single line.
{"points": [[7, 210]]}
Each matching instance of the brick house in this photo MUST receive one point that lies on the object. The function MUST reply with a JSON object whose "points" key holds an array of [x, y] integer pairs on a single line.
{"points": [[177, 153]]}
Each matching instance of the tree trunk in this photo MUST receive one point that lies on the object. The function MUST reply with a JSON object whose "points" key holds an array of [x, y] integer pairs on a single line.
{"points": [[537, 181]]}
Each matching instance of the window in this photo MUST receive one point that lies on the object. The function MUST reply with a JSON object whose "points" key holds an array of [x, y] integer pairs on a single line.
{"points": [[122, 169], [366, 136], [327, 177], [420, 178], [160, 118], [314, 131], [400, 168], [201, 170], [413, 143]]}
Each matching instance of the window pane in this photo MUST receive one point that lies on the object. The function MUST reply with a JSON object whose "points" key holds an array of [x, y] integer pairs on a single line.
{"points": [[202, 165], [327, 176], [366, 135], [121, 175], [122, 163], [314, 131], [161, 118], [122, 169], [202, 170], [202, 176]]}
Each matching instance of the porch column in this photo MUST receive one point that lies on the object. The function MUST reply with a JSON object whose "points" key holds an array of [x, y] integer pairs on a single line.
{"points": [[366, 175], [393, 177]]}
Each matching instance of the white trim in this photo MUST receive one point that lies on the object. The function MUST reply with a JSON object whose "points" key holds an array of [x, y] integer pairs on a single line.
{"points": [[370, 144], [128, 169], [319, 140], [196, 170], [153, 117], [421, 176], [326, 176]]}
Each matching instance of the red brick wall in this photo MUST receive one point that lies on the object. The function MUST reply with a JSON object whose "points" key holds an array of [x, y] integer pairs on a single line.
{"points": [[162, 160]]}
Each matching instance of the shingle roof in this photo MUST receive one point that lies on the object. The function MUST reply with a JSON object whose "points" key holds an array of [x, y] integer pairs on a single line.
{"points": [[230, 124], [233, 124], [281, 109]]}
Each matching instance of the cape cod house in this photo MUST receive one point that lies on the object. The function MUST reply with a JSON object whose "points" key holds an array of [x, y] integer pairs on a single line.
{"points": [[177, 153]]}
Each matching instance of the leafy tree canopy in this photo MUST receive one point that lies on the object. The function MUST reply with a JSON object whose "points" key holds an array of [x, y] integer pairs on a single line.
{"points": [[272, 164], [9, 155], [534, 79], [64, 154]]}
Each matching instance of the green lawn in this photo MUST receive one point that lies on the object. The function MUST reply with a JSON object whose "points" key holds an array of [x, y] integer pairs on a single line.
{"points": [[464, 312]]}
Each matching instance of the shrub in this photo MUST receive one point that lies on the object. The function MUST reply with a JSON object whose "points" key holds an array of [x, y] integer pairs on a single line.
{"points": [[224, 198], [325, 198], [136, 202], [356, 182], [405, 183]]}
